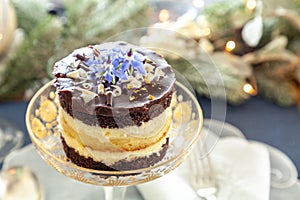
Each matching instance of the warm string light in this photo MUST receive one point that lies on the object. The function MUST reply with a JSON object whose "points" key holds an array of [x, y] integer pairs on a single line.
{"points": [[164, 15], [251, 5], [249, 89], [230, 46]]}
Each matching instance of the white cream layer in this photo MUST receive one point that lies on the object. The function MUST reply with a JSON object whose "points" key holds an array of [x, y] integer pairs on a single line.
{"points": [[147, 129]]}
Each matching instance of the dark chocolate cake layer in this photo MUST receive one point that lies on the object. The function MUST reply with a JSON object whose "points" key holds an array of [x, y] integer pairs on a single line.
{"points": [[138, 163], [114, 97], [132, 116]]}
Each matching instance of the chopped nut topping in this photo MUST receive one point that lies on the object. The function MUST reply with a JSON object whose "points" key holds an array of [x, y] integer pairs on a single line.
{"points": [[131, 98], [117, 90], [87, 95], [100, 88], [134, 83], [148, 78], [147, 81], [150, 97], [149, 67], [159, 72], [73, 74]]}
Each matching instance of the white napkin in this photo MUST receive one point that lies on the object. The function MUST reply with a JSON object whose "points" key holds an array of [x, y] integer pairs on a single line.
{"points": [[243, 173]]}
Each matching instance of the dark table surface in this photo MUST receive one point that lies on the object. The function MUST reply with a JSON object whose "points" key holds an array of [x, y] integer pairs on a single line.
{"points": [[257, 118]]}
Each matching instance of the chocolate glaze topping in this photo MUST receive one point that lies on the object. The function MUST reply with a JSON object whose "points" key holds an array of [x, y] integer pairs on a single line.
{"points": [[92, 87]]}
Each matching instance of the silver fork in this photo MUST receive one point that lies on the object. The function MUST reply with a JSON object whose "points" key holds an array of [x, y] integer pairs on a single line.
{"points": [[203, 176]]}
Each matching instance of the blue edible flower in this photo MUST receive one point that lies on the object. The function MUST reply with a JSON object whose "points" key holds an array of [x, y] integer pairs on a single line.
{"points": [[115, 63], [135, 60]]}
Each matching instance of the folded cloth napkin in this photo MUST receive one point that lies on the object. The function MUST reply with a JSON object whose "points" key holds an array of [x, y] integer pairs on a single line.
{"points": [[242, 168]]}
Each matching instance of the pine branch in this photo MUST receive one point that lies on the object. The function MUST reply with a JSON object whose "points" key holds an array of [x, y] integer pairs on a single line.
{"points": [[288, 71], [109, 18], [290, 15], [30, 13], [275, 90], [224, 16], [225, 83]]}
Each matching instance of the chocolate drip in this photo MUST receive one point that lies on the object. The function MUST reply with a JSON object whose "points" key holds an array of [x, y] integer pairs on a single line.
{"points": [[80, 57]]}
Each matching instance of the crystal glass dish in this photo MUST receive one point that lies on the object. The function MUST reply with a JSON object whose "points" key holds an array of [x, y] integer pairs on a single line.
{"points": [[43, 128]]}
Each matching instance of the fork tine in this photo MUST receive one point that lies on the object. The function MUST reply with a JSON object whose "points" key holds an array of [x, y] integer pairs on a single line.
{"points": [[209, 164], [203, 178]]}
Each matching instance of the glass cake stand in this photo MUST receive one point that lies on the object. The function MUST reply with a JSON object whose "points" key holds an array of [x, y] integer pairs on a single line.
{"points": [[42, 125]]}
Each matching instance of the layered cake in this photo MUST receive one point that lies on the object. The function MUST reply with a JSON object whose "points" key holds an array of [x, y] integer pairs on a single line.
{"points": [[115, 106]]}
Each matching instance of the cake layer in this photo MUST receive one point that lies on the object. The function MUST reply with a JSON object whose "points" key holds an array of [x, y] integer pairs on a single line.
{"points": [[125, 164], [111, 145], [121, 84], [108, 117]]}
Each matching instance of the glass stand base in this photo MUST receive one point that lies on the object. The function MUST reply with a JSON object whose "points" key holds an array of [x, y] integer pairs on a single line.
{"points": [[114, 193], [10, 138]]}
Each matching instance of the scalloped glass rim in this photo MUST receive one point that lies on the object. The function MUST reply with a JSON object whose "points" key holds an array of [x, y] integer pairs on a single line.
{"points": [[36, 141]]}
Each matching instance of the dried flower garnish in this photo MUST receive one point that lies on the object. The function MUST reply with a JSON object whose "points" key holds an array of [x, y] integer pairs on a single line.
{"points": [[115, 64], [134, 60]]}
